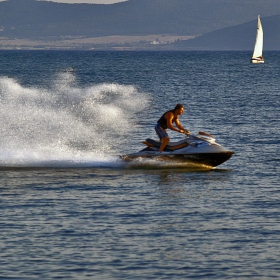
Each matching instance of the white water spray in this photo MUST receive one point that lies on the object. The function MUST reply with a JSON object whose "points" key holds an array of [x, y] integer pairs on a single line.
{"points": [[65, 125]]}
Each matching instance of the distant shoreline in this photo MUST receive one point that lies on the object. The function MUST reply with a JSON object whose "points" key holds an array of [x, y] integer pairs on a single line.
{"points": [[96, 43]]}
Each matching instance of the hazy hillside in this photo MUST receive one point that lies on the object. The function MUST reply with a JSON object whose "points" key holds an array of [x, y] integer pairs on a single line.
{"points": [[32, 19], [240, 37]]}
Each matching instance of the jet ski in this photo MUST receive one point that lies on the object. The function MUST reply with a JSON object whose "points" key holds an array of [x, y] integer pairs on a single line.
{"points": [[201, 149]]}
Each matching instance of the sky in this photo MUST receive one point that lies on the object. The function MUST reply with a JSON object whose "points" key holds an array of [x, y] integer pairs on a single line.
{"points": [[89, 1], [85, 1]]}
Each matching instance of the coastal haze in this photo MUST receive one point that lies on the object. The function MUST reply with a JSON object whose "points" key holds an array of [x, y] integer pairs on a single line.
{"points": [[137, 24]]}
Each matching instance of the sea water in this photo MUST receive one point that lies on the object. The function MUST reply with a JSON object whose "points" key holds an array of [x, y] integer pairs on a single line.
{"points": [[71, 209]]}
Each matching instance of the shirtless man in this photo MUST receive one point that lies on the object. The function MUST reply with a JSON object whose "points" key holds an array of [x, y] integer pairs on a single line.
{"points": [[166, 121]]}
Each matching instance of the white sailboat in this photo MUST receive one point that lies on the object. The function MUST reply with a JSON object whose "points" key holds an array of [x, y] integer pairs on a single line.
{"points": [[257, 54]]}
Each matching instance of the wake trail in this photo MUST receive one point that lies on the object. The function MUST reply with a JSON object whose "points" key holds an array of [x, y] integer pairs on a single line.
{"points": [[66, 125]]}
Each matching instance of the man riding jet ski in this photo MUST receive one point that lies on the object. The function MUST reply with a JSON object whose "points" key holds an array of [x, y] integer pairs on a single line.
{"points": [[197, 149]]}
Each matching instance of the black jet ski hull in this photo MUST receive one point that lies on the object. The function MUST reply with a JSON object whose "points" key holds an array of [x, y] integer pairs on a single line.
{"points": [[207, 159]]}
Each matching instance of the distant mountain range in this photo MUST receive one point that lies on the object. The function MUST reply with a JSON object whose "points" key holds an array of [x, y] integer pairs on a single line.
{"points": [[232, 21], [240, 37]]}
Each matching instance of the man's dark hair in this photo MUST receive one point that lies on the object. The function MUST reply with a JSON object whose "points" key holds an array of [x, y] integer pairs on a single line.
{"points": [[179, 106]]}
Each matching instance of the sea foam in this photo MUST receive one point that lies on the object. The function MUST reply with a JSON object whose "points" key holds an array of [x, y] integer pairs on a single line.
{"points": [[65, 124]]}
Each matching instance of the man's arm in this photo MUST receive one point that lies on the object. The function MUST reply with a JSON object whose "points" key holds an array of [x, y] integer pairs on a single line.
{"points": [[169, 117], [182, 129], [177, 122]]}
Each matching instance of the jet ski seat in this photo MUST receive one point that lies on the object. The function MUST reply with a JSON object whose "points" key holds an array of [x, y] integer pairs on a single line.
{"points": [[172, 146]]}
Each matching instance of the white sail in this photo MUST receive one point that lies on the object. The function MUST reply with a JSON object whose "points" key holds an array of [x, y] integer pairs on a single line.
{"points": [[257, 54]]}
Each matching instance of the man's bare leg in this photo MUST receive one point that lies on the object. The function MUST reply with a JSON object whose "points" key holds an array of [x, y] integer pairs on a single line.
{"points": [[164, 142]]}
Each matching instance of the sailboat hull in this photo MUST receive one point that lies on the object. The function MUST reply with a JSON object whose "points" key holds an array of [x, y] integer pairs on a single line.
{"points": [[256, 60]]}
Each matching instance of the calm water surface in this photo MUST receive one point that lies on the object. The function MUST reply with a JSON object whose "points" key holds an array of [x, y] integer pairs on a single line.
{"points": [[71, 209]]}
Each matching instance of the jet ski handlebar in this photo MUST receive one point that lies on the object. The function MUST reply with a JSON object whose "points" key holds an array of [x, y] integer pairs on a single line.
{"points": [[186, 132]]}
